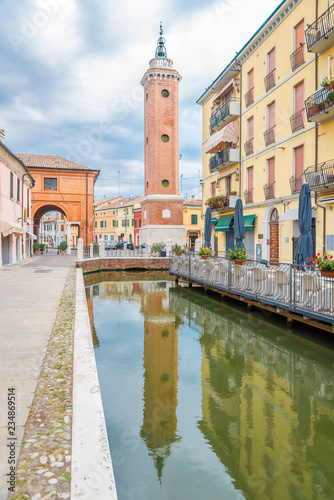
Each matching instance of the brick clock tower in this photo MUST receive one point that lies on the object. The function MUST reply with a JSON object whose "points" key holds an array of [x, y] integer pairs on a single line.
{"points": [[162, 207]]}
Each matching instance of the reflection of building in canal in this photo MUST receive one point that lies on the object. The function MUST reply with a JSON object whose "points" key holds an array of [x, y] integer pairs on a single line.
{"points": [[159, 429], [89, 298], [267, 402]]}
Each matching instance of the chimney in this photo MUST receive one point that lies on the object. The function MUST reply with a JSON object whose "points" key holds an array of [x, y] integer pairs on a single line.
{"points": [[2, 135]]}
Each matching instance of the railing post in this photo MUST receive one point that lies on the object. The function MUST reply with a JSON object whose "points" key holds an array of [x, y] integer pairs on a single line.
{"points": [[80, 249], [294, 284], [189, 267], [91, 250]]}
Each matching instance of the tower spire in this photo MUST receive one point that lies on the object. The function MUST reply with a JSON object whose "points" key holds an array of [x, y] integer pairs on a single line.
{"points": [[161, 49]]}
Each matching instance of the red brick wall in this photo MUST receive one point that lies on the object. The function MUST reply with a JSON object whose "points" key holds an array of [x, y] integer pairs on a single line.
{"points": [[91, 265], [154, 211]]}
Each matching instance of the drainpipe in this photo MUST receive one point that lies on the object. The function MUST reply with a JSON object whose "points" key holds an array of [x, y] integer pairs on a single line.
{"points": [[240, 177], [22, 194]]}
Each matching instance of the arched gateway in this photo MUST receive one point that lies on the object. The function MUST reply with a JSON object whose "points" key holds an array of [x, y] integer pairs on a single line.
{"points": [[64, 186]]}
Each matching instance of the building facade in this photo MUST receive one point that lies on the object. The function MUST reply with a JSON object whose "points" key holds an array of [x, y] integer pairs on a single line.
{"points": [[284, 133], [193, 222], [162, 207], [52, 230], [16, 231]]}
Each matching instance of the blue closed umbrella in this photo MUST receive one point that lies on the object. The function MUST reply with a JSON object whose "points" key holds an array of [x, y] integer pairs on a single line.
{"points": [[239, 224], [207, 228], [304, 250]]}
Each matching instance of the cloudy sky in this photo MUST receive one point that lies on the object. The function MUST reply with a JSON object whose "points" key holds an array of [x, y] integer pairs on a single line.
{"points": [[70, 74]]}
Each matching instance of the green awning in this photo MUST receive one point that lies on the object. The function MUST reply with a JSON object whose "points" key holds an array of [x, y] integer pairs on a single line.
{"points": [[224, 223], [249, 222], [213, 220]]}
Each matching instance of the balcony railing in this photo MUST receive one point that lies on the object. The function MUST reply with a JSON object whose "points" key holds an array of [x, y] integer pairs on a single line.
{"points": [[224, 114], [269, 190], [320, 177], [249, 148], [297, 120], [249, 97], [297, 57], [320, 35], [269, 135], [296, 183], [248, 195], [269, 81], [320, 106], [228, 155]]}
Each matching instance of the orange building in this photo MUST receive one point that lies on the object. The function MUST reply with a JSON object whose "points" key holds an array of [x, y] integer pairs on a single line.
{"points": [[63, 186]]}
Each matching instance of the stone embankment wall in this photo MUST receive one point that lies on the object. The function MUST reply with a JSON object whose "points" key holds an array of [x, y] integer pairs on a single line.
{"points": [[122, 263]]}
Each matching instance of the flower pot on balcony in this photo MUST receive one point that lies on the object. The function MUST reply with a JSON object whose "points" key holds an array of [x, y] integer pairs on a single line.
{"points": [[330, 86], [239, 262], [232, 200], [313, 110], [205, 257], [327, 274]]}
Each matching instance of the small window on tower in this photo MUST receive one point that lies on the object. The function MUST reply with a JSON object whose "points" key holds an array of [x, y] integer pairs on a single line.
{"points": [[146, 140], [164, 93], [164, 138], [165, 183], [146, 96]]}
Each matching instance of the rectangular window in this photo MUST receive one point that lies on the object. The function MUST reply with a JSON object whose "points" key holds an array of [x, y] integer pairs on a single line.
{"points": [[297, 57], [28, 204], [213, 189], [270, 186], [228, 183], [18, 190], [62, 227], [269, 135], [269, 80], [139, 222], [45, 227], [96, 223], [249, 96], [50, 184], [249, 144], [297, 119], [297, 180], [103, 223], [11, 185], [250, 187], [133, 222], [193, 219]]}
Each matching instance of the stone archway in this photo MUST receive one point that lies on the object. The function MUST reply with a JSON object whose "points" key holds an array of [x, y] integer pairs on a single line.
{"points": [[39, 211]]}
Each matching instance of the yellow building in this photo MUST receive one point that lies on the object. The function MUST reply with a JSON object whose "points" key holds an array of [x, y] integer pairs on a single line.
{"points": [[125, 218], [283, 133], [192, 220], [104, 218]]}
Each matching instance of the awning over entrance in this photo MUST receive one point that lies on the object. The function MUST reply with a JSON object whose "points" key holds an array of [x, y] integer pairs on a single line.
{"points": [[7, 228], [292, 214], [213, 220], [224, 223], [249, 222]]}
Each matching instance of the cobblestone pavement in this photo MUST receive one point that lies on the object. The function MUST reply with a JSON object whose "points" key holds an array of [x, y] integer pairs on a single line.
{"points": [[30, 294]]}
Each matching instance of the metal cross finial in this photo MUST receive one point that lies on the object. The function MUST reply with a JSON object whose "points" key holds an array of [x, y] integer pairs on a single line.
{"points": [[161, 30]]}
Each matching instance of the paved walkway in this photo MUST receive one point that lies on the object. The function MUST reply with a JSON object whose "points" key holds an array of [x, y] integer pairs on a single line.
{"points": [[30, 293]]}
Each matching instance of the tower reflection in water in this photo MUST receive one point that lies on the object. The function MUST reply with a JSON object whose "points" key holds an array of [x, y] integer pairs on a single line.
{"points": [[159, 429], [267, 404]]}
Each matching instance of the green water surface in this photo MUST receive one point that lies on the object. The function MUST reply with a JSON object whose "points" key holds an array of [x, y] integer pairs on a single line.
{"points": [[205, 401]]}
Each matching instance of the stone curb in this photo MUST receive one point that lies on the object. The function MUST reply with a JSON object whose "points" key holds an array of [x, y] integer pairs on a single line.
{"points": [[92, 471]]}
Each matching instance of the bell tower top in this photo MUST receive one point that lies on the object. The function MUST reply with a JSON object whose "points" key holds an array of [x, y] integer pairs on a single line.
{"points": [[161, 49]]}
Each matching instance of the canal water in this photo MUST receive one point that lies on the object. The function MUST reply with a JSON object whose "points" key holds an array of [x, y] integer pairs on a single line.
{"points": [[206, 401]]}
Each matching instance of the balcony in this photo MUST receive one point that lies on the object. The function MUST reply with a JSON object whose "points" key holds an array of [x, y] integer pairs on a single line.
{"points": [[249, 147], [297, 57], [269, 135], [297, 120], [248, 194], [321, 177], [226, 113], [320, 106], [296, 183], [320, 34], [224, 158], [249, 97], [269, 191], [269, 81], [223, 202]]}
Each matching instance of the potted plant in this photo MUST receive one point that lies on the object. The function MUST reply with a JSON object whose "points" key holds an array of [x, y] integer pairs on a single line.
{"points": [[159, 248], [330, 98], [314, 109], [36, 247], [178, 250], [62, 246], [206, 253], [325, 264], [327, 83], [238, 256]]}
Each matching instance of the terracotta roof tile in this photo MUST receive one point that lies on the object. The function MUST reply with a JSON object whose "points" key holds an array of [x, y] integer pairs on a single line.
{"points": [[50, 161], [192, 202]]}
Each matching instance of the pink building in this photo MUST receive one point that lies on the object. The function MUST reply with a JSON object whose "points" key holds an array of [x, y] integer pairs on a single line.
{"points": [[16, 227]]}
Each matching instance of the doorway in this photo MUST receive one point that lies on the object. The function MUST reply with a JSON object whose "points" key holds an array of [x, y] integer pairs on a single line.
{"points": [[274, 236]]}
